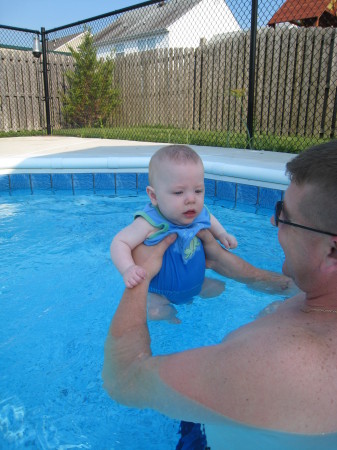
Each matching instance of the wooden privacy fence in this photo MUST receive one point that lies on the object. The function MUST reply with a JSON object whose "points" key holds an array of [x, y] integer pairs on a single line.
{"points": [[207, 88], [204, 88], [22, 99]]}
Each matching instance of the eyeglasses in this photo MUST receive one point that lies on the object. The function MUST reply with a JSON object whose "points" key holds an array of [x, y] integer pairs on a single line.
{"points": [[278, 210]]}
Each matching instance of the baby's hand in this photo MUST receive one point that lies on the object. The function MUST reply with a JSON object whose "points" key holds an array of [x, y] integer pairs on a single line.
{"points": [[133, 275], [228, 240]]}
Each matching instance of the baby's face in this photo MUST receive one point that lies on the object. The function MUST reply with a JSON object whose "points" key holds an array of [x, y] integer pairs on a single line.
{"points": [[180, 191]]}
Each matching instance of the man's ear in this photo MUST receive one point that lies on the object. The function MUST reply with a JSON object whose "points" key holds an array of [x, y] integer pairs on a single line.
{"points": [[331, 260], [152, 195]]}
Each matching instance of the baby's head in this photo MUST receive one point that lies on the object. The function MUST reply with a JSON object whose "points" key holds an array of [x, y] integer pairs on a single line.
{"points": [[176, 176], [167, 157]]}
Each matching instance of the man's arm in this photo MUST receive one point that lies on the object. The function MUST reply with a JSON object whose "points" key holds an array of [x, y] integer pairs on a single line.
{"points": [[173, 384], [232, 266], [245, 378]]}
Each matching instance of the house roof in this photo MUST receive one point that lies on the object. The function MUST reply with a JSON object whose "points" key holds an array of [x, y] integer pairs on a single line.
{"points": [[55, 44], [147, 20], [297, 11]]}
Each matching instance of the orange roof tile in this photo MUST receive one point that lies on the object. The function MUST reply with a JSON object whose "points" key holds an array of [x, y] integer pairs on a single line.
{"points": [[294, 10]]}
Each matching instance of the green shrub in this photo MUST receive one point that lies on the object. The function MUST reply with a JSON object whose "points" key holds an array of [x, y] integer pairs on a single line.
{"points": [[91, 96]]}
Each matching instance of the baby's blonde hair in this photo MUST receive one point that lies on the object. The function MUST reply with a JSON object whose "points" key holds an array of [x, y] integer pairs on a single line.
{"points": [[176, 153]]}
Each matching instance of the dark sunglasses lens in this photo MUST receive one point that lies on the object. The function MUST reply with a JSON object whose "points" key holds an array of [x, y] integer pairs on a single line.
{"points": [[278, 209]]}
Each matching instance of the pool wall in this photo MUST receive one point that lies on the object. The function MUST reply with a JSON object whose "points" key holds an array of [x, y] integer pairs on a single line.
{"points": [[229, 194]]}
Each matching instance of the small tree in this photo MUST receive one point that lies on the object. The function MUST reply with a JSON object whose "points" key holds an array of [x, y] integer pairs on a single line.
{"points": [[91, 97]]}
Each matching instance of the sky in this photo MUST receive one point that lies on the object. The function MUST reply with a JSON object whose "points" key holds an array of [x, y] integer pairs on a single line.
{"points": [[34, 14]]}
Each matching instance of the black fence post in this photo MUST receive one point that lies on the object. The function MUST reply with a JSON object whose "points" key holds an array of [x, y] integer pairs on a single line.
{"points": [[251, 86], [45, 78]]}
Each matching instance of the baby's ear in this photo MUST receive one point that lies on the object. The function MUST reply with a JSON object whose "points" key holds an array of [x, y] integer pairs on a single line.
{"points": [[152, 195]]}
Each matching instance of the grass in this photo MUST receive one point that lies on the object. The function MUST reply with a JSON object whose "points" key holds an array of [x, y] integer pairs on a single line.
{"points": [[23, 133], [289, 144]]}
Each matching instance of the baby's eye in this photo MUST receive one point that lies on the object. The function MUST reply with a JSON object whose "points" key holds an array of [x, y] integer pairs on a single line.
{"points": [[178, 192], [199, 191]]}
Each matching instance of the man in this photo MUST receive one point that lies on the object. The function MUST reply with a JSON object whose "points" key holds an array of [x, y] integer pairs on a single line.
{"points": [[273, 380]]}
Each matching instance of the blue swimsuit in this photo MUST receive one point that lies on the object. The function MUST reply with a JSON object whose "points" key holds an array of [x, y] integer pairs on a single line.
{"points": [[183, 270]]}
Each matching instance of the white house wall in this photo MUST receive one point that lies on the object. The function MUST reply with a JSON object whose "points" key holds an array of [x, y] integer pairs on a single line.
{"points": [[133, 45], [208, 18]]}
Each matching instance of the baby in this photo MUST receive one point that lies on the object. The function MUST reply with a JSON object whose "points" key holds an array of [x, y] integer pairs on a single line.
{"points": [[176, 191]]}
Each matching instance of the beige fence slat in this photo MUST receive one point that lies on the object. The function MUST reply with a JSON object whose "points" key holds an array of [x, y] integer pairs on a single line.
{"points": [[282, 58], [22, 124], [153, 88], [197, 88], [297, 84], [4, 92], [203, 87], [322, 85], [148, 92], [12, 92], [260, 77], [267, 96], [208, 86], [213, 84], [305, 85], [235, 103], [176, 107], [227, 84], [287, 105], [54, 103], [330, 128], [241, 76], [178, 75], [276, 80], [221, 81], [157, 80], [321, 69], [164, 86], [184, 88], [169, 100], [144, 100], [246, 82], [134, 89], [125, 105], [27, 90], [177, 110], [184, 85], [191, 87], [314, 79], [34, 122]]}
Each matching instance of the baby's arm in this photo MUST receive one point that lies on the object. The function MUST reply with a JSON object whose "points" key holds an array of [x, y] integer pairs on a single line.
{"points": [[218, 231], [121, 247]]}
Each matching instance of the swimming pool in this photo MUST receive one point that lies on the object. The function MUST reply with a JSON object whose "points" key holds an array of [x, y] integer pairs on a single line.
{"points": [[58, 293]]}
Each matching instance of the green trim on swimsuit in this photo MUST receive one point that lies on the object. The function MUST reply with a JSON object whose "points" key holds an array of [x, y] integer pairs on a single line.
{"points": [[162, 227]]}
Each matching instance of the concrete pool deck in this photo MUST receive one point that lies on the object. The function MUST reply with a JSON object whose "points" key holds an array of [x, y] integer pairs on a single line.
{"points": [[57, 154]]}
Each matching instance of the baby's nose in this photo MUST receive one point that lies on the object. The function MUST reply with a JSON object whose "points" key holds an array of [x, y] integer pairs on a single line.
{"points": [[190, 197]]}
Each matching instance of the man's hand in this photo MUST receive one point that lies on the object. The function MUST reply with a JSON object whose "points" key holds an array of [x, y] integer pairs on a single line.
{"points": [[151, 257], [211, 248]]}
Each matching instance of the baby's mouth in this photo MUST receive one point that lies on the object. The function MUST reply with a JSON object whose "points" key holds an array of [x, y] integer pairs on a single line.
{"points": [[189, 213]]}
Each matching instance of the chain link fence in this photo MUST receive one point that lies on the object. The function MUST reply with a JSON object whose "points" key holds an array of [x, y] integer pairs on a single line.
{"points": [[207, 72]]}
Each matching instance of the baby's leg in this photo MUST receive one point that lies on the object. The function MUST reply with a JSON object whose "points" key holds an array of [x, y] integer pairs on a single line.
{"points": [[159, 308], [212, 288]]}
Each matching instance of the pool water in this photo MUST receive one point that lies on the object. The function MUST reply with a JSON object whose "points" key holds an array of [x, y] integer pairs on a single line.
{"points": [[58, 292]]}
